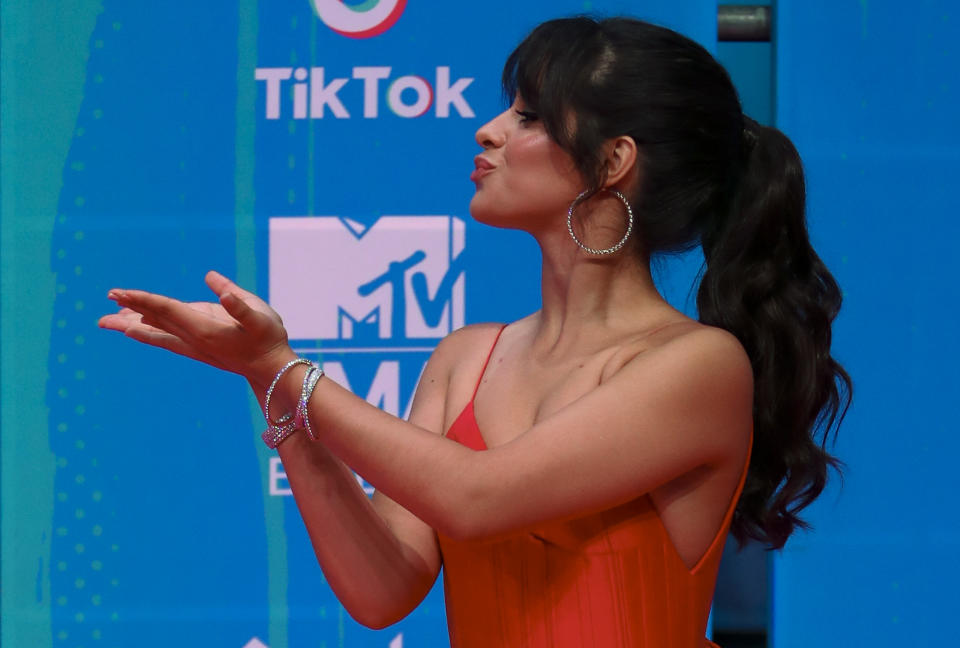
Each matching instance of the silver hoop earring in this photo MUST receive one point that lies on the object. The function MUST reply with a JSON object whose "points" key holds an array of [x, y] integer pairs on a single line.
{"points": [[609, 250]]}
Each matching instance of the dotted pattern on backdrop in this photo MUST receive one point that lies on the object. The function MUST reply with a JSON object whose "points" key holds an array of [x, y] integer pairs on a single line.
{"points": [[84, 577], [147, 546], [147, 196]]}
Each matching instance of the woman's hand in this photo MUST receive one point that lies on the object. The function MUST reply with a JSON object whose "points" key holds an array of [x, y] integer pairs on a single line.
{"points": [[241, 334]]}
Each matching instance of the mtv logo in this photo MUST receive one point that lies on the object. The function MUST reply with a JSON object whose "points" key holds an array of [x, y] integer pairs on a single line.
{"points": [[400, 279]]}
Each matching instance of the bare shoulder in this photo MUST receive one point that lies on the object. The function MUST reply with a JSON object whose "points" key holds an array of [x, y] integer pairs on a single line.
{"points": [[717, 348], [711, 348], [469, 335], [685, 345], [465, 344], [702, 373], [707, 357]]}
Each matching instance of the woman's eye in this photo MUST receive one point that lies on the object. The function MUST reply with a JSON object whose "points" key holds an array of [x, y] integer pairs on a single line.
{"points": [[527, 116]]}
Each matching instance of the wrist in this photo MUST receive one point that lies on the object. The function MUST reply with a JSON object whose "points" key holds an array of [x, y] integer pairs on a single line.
{"points": [[280, 426], [263, 372], [288, 389]]}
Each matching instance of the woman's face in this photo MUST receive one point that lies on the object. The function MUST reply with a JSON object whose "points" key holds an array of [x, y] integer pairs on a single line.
{"points": [[524, 179]]}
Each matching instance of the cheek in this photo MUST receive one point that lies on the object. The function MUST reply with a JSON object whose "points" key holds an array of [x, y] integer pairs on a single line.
{"points": [[541, 160], [528, 151]]}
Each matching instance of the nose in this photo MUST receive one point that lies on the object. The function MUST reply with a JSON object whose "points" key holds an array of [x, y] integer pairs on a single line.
{"points": [[491, 134]]}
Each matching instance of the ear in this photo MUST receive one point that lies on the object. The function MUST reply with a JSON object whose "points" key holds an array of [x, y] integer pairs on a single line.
{"points": [[621, 160]]}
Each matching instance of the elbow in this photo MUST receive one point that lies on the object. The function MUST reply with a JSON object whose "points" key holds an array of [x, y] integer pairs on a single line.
{"points": [[382, 602], [374, 622], [377, 618]]}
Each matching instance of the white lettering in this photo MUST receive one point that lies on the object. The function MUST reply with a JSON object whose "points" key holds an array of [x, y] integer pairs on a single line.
{"points": [[300, 94], [316, 96], [273, 77], [371, 81], [452, 94], [419, 86], [276, 476], [322, 96]]}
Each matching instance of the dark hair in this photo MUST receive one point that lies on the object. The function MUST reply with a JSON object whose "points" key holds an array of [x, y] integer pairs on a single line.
{"points": [[711, 176]]}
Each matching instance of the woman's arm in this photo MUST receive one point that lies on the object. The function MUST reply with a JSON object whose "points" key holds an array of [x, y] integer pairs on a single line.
{"points": [[379, 559], [669, 411], [683, 405]]}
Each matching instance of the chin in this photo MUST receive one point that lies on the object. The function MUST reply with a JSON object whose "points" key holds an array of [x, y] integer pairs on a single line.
{"points": [[493, 214], [484, 214], [480, 212]]}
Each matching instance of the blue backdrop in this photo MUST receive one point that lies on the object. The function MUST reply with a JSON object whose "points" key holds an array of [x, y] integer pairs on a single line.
{"points": [[320, 149], [868, 92]]}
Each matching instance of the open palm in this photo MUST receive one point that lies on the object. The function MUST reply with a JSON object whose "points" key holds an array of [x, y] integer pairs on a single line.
{"points": [[241, 333]]}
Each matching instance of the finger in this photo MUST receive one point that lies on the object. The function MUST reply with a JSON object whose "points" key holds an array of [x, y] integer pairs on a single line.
{"points": [[169, 326], [118, 321], [166, 313], [142, 301], [163, 340], [124, 320], [220, 284]]}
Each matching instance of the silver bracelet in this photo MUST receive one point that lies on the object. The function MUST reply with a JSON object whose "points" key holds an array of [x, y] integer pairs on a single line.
{"points": [[286, 418], [309, 384], [277, 433]]}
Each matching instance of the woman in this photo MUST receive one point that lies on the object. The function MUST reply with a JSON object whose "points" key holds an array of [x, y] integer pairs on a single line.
{"points": [[577, 471]]}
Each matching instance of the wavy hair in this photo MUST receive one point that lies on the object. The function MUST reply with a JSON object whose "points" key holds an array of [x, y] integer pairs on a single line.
{"points": [[713, 177]]}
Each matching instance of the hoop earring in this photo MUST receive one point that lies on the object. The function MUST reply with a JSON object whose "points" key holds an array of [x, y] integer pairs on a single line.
{"points": [[610, 250]]}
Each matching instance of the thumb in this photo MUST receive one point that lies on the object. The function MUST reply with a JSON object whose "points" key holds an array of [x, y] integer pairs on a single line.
{"points": [[218, 283], [239, 310]]}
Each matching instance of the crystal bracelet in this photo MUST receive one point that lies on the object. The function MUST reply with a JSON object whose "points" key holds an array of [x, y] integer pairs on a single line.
{"points": [[286, 418], [309, 383], [277, 433]]}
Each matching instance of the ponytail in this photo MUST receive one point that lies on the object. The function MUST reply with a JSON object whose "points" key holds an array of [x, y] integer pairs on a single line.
{"points": [[739, 192], [765, 284]]}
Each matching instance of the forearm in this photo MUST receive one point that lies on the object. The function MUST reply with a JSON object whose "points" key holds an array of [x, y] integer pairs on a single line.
{"points": [[422, 471], [377, 577]]}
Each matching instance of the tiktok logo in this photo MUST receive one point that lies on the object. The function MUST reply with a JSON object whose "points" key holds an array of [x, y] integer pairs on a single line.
{"points": [[361, 20]]}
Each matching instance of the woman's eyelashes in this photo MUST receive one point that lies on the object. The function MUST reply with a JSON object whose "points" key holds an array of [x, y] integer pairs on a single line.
{"points": [[526, 116]]}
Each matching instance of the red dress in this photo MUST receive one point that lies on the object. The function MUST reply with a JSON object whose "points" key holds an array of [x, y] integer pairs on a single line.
{"points": [[607, 580]]}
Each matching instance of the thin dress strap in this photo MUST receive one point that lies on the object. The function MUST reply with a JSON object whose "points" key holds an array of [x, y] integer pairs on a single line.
{"points": [[484, 370]]}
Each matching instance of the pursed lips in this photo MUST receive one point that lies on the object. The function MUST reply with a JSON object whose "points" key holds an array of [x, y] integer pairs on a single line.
{"points": [[482, 167]]}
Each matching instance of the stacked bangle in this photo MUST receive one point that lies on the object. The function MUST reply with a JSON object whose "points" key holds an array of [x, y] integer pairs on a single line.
{"points": [[309, 383], [276, 380], [283, 427]]}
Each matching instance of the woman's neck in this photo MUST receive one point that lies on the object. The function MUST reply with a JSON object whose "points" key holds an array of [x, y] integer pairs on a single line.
{"points": [[599, 297]]}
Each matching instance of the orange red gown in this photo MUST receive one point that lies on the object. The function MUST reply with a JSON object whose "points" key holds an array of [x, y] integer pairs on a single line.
{"points": [[607, 580]]}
